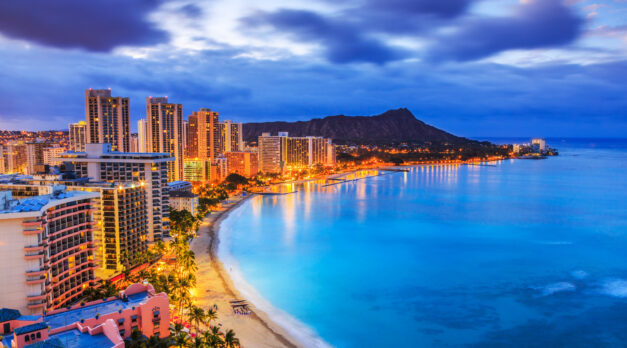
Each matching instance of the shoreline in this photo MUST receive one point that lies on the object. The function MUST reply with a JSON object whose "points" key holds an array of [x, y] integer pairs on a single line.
{"points": [[215, 286]]}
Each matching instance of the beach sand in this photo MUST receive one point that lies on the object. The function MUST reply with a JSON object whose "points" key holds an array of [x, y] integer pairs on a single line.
{"points": [[214, 286]]}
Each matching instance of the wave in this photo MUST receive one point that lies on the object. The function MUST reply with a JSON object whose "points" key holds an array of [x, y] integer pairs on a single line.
{"points": [[615, 287], [305, 335]]}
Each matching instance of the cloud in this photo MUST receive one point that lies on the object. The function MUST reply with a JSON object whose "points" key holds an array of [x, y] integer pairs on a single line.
{"points": [[342, 41], [439, 8], [534, 24], [94, 25]]}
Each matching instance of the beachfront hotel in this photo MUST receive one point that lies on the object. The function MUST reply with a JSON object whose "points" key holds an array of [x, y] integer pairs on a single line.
{"points": [[108, 119], [164, 132], [102, 323], [47, 249], [281, 152], [100, 164], [272, 152]]}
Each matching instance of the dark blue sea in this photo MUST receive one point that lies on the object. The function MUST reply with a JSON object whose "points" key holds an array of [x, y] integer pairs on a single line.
{"points": [[526, 253]]}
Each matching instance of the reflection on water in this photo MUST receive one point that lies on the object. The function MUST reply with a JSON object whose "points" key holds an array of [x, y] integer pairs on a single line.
{"points": [[527, 253]]}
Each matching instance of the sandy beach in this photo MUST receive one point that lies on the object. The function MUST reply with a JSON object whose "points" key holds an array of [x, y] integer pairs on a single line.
{"points": [[214, 286]]}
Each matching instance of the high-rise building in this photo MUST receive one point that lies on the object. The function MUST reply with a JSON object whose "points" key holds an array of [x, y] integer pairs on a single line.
{"points": [[100, 164], [47, 249], [272, 152], [51, 153], [34, 157], [142, 135], [108, 119], [242, 163], [230, 136], [191, 144], [304, 152], [122, 230], [219, 169], [134, 143], [16, 158], [206, 141], [165, 132], [77, 136]]}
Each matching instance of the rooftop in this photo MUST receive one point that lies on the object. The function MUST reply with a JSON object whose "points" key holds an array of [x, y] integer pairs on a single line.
{"points": [[75, 338], [30, 328], [37, 203], [182, 194], [73, 315], [7, 314]]}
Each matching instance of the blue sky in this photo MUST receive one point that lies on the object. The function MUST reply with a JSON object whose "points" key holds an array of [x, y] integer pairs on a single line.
{"points": [[471, 67]]}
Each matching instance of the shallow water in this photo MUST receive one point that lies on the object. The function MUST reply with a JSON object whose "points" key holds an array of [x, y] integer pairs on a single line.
{"points": [[527, 252]]}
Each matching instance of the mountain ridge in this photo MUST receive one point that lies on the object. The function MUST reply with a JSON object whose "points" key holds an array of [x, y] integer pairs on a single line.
{"points": [[392, 126]]}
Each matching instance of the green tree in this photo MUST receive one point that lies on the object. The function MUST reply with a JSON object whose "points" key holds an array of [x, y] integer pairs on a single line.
{"points": [[230, 340]]}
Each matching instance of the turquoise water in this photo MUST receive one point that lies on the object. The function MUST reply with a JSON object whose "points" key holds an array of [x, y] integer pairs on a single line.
{"points": [[526, 253]]}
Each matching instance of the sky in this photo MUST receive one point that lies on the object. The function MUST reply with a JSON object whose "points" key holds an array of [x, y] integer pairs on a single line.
{"points": [[475, 68]]}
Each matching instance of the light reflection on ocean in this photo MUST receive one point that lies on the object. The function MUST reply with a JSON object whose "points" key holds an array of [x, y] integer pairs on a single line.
{"points": [[525, 252]]}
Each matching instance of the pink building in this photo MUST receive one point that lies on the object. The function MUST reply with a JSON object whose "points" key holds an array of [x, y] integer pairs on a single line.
{"points": [[103, 323]]}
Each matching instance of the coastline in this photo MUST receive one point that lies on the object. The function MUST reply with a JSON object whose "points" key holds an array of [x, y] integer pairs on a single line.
{"points": [[215, 286]]}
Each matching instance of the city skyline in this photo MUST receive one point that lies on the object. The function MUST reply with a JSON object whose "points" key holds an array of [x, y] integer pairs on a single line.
{"points": [[475, 68]]}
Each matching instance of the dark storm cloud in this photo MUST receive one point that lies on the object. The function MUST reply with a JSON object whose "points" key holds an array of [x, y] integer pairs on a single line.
{"points": [[350, 36], [537, 24], [343, 42], [94, 25]]}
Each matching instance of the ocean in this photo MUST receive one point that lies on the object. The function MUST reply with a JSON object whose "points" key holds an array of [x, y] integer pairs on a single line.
{"points": [[517, 253]]}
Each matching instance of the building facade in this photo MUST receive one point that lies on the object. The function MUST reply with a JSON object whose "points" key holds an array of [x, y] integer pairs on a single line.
{"points": [[142, 136], [181, 200], [231, 137], [77, 136], [165, 132], [103, 323], [272, 152], [121, 233], [100, 164], [47, 249], [242, 163], [203, 135], [108, 119]]}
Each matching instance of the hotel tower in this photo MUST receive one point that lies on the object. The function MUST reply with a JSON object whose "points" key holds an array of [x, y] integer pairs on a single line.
{"points": [[203, 135], [108, 120], [47, 249], [164, 132]]}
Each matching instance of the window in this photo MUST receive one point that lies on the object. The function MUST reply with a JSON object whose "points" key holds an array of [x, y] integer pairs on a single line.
{"points": [[39, 335], [26, 339]]}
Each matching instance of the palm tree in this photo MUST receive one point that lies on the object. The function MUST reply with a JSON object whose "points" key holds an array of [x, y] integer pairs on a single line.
{"points": [[212, 338], [197, 315], [180, 338], [210, 315], [230, 340]]}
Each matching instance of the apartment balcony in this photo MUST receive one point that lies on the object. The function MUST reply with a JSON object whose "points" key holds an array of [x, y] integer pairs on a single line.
{"points": [[33, 248], [36, 298], [36, 304], [33, 232], [35, 281], [39, 255], [35, 273], [32, 223]]}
